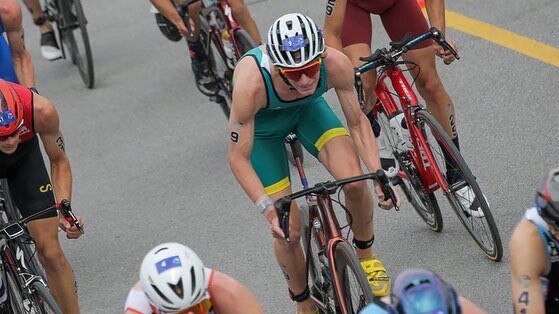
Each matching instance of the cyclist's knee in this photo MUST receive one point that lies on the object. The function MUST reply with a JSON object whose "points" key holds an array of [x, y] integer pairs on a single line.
{"points": [[294, 238], [355, 189], [51, 256], [430, 86], [9, 11]]}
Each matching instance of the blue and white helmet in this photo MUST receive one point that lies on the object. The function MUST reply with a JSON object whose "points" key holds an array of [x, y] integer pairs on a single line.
{"points": [[294, 40], [173, 277]]}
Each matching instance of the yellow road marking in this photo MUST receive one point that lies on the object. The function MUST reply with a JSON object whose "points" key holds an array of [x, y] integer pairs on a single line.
{"points": [[503, 37]]}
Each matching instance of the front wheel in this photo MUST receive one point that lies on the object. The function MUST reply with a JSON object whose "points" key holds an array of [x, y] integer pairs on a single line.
{"points": [[74, 32], [319, 281], [43, 300], [15, 295], [243, 42], [464, 193], [425, 203], [352, 282]]}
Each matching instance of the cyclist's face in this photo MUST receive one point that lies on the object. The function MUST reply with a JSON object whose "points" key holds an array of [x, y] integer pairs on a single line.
{"points": [[8, 144], [304, 79]]}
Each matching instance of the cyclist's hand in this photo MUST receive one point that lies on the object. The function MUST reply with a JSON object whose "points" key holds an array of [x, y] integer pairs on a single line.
{"points": [[445, 54], [385, 202], [182, 29], [72, 231], [273, 220]]}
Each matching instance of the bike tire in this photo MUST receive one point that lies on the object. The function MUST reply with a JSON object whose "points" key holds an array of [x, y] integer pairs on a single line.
{"points": [[220, 70], [423, 202], [72, 13], [43, 299], [15, 294], [356, 292], [318, 281], [489, 240], [243, 42]]}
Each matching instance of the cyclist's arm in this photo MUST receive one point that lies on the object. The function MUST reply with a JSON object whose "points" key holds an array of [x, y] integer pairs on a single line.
{"points": [[340, 76], [137, 302], [247, 82], [333, 23], [435, 12], [47, 124], [229, 295], [10, 12], [528, 262], [168, 9]]}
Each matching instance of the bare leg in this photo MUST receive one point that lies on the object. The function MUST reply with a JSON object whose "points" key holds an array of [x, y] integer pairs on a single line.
{"points": [[431, 88], [59, 271], [290, 255]]}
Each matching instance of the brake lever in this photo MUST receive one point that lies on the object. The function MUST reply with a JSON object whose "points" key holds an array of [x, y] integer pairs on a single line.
{"points": [[283, 207], [439, 38], [66, 211], [386, 188]]}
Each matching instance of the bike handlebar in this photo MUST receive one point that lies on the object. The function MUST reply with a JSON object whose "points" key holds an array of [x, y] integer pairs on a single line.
{"points": [[283, 205], [383, 57]]}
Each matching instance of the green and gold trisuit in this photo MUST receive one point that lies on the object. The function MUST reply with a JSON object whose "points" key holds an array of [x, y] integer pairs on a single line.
{"points": [[310, 118]]}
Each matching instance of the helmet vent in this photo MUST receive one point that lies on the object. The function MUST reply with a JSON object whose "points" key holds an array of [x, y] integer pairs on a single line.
{"points": [[178, 288], [161, 295]]}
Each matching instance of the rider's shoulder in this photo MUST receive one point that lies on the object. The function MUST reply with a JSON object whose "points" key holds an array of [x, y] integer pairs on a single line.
{"points": [[338, 64], [45, 115]]}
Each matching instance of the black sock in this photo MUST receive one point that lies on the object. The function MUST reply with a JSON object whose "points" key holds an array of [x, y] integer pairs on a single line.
{"points": [[197, 53], [452, 173]]}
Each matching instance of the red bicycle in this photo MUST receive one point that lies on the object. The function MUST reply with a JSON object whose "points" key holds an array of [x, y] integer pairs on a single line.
{"points": [[224, 41], [427, 160]]}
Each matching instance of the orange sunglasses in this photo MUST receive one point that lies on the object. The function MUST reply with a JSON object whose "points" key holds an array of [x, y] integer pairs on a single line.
{"points": [[309, 70]]}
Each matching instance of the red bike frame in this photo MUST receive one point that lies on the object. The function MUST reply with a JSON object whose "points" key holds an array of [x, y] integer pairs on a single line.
{"points": [[232, 25], [423, 159]]}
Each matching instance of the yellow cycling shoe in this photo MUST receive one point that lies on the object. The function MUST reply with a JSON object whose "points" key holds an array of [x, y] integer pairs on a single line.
{"points": [[376, 274]]}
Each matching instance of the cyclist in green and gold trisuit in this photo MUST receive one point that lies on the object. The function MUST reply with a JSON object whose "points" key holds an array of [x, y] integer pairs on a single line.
{"points": [[278, 89]]}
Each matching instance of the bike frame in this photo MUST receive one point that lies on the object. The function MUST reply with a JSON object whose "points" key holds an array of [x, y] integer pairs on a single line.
{"points": [[328, 231], [422, 156], [232, 25]]}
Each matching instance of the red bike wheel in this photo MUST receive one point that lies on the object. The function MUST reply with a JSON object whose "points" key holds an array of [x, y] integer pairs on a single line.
{"points": [[482, 228]]}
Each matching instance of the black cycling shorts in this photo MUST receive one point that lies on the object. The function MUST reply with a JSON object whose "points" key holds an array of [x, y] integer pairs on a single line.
{"points": [[28, 179]]}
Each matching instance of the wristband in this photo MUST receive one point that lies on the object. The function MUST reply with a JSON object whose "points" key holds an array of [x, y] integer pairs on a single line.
{"points": [[263, 203]]}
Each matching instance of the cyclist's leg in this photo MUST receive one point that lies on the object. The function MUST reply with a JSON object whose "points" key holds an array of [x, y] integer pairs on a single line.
{"points": [[242, 15], [428, 82], [269, 160], [322, 134], [32, 191], [49, 47], [199, 60], [356, 40]]}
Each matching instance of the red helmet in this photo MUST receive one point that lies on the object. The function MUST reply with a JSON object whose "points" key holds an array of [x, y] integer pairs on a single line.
{"points": [[11, 109]]}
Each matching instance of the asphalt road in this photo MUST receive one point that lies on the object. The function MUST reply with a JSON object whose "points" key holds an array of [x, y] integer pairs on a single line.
{"points": [[148, 154]]}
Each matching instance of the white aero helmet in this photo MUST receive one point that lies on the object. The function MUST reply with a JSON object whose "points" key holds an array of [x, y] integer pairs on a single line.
{"points": [[173, 277], [294, 40]]}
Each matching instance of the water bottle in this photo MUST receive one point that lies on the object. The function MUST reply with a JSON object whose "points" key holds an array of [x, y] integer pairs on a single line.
{"points": [[228, 48], [399, 126]]}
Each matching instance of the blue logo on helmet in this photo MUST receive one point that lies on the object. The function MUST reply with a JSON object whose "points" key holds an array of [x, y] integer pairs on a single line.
{"points": [[293, 43], [168, 263], [7, 117]]}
